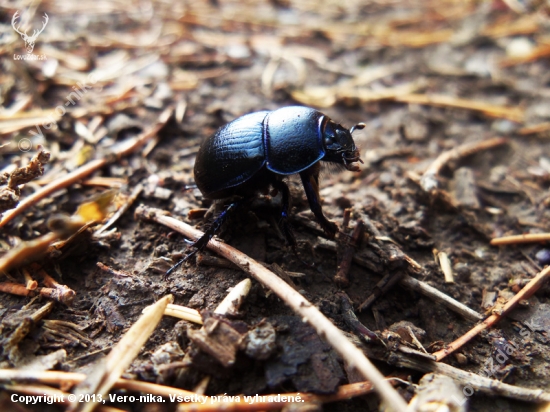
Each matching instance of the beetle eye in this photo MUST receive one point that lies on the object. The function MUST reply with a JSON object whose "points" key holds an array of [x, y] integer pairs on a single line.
{"points": [[330, 138]]}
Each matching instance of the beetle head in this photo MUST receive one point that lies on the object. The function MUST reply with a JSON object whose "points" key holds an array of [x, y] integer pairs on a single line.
{"points": [[339, 145]]}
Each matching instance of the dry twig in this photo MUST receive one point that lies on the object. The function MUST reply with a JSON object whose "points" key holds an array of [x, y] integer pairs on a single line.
{"points": [[446, 268], [438, 296], [9, 344], [234, 299], [525, 238], [63, 293], [535, 129], [347, 256], [15, 289], [181, 312], [382, 286], [511, 113], [429, 178], [471, 380], [27, 251]]}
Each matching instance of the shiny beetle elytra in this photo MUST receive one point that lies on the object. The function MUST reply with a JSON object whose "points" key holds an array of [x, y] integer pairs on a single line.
{"points": [[259, 149]]}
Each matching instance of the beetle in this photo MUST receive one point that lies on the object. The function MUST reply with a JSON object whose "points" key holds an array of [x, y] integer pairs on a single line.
{"points": [[259, 150]]}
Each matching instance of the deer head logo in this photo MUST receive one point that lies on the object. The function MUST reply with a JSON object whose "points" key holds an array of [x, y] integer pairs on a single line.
{"points": [[29, 40]]}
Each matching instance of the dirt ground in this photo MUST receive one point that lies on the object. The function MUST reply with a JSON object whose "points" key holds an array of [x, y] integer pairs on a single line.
{"points": [[425, 77]]}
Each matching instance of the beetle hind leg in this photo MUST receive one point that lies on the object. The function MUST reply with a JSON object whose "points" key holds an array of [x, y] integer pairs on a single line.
{"points": [[284, 224], [201, 243]]}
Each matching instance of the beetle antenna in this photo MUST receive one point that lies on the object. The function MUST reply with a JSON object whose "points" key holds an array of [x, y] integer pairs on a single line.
{"points": [[358, 126]]}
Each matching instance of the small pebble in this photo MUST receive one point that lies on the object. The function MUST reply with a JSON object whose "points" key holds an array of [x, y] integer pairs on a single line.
{"points": [[261, 341], [385, 179], [461, 359], [238, 51], [462, 271], [504, 126], [519, 47], [416, 130], [162, 193], [543, 257], [480, 252], [161, 250]]}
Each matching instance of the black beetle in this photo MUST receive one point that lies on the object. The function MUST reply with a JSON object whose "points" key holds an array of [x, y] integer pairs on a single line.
{"points": [[259, 149]]}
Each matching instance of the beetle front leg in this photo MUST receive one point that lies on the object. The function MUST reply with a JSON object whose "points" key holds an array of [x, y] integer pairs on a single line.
{"points": [[310, 180]]}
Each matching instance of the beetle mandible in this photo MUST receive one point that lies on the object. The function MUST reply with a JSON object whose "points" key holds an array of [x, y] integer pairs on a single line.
{"points": [[259, 149]]}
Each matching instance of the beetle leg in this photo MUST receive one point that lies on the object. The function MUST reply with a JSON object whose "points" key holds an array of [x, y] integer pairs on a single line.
{"points": [[201, 243], [310, 180], [283, 223]]}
